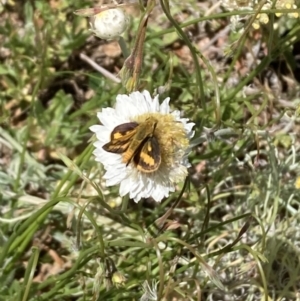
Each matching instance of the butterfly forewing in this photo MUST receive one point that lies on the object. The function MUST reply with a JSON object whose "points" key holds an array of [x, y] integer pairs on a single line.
{"points": [[120, 138]]}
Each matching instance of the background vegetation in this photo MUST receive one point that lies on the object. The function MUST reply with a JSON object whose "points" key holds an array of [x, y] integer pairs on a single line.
{"points": [[235, 233]]}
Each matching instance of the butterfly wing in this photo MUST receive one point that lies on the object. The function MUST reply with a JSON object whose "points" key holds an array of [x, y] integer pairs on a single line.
{"points": [[148, 157], [120, 138]]}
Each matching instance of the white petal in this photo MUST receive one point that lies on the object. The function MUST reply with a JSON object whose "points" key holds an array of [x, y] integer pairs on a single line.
{"points": [[95, 128], [176, 114], [155, 104], [103, 134], [108, 118], [147, 97], [109, 159], [159, 193], [164, 107], [139, 102], [144, 102], [126, 108], [188, 127], [98, 144], [114, 176], [125, 187]]}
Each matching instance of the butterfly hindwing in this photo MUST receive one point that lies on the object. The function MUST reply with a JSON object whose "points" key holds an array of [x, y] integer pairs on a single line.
{"points": [[147, 157]]}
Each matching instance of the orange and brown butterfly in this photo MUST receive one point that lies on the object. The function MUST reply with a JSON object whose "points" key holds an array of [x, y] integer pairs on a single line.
{"points": [[137, 143]]}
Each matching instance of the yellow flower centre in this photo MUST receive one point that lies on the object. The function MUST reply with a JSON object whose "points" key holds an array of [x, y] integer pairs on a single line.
{"points": [[170, 134]]}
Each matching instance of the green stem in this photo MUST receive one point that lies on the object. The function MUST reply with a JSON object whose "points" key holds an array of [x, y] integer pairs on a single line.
{"points": [[124, 48], [200, 91]]}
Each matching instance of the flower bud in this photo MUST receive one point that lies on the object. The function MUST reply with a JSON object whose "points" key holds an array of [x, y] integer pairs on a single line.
{"points": [[109, 24]]}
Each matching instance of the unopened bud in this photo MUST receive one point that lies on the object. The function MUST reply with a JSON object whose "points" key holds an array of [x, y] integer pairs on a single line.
{"points": [[109, 24], [130, 73]]}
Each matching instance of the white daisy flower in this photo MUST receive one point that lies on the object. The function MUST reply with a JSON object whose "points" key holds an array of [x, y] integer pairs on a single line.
{"points": [[109, 24], [150, 292], [148, 146]]}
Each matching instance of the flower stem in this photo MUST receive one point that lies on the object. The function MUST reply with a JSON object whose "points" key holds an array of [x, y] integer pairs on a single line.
{"points": [[124, 48]]}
